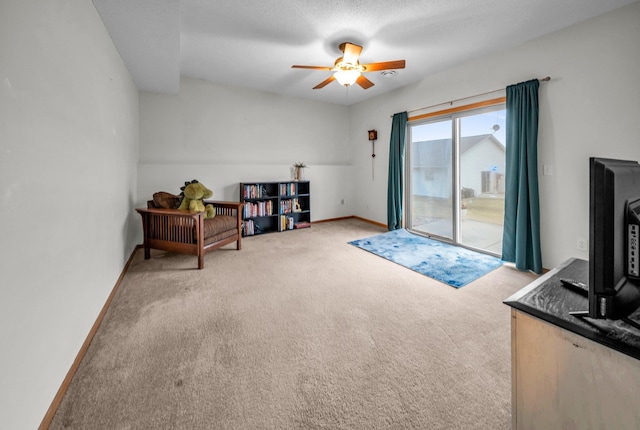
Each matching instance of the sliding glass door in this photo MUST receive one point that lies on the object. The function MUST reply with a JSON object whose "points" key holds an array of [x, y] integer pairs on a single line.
{"points": [[456, 167], [431, 173]]}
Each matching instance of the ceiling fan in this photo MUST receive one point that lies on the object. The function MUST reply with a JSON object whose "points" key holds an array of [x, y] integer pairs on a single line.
{"points": [[348, 69]]}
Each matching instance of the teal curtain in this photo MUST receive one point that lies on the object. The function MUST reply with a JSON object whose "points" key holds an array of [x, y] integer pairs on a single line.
{"points": [[521, 236], [396, 160]]}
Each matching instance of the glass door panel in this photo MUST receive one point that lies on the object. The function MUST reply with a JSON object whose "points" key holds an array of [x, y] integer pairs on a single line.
{"points": [[456, 178], [482, 170], [431, 175]]}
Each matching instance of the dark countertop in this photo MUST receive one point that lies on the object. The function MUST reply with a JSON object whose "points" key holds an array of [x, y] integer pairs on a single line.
{"points": [[547, 299]]}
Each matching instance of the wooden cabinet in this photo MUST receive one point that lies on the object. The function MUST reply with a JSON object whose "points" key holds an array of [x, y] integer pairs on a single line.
{"points": [[275, 206], [569, 372], [564, 381]]}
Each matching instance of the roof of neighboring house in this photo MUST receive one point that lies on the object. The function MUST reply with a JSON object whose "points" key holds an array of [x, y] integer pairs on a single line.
{"points": [[438, 150]]}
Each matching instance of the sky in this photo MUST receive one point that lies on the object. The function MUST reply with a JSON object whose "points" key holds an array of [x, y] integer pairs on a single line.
{"points": [[470, 126]]}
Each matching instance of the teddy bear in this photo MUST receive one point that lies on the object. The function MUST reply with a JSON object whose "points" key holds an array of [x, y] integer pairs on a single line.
{"points": [[193, 193]]}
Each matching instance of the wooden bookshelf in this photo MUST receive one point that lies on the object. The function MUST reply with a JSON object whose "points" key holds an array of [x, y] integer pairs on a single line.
{"points": [[271, 207]]}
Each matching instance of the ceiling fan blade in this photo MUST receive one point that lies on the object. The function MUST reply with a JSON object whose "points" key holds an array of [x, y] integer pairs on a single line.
{"points": [[312, 67], [385, 65], [351, 52], [325, 82], [364, 82]]}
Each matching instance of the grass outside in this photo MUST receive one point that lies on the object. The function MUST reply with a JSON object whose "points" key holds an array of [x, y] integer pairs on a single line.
{"points": [[486, 208]]}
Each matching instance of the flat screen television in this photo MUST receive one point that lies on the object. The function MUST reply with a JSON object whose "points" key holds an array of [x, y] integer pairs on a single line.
{"points": [[614, 231]]}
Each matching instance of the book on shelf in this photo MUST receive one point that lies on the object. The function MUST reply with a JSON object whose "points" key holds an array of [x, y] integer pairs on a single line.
{"points": [[290, 205], [286, 206], [255, 191], [262, 208], [288, 189], [248, 227], [286, 223]]}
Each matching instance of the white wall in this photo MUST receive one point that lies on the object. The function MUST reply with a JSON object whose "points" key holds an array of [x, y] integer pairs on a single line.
{"points": [[225, 135], [591, 107], [69, 147], [68, 153]]}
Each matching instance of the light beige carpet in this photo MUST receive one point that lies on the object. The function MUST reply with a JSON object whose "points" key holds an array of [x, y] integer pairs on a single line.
{"points": [[299, 330]]}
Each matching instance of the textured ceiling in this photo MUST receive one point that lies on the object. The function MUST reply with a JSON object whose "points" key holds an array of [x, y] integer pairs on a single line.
{"points": [[253, 43]]}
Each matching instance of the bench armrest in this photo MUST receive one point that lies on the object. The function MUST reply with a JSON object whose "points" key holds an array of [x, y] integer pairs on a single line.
{"points": [[166, 212]]}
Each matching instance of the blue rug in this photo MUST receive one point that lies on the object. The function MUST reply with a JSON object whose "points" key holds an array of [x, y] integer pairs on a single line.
{"points": [[446, 263]]}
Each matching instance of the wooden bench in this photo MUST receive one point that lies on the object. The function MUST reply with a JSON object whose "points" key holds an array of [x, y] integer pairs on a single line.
{"points": [[187, 232]]}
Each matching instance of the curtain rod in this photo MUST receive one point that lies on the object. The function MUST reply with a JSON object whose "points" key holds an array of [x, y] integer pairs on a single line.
{"points": [[466, 98]]}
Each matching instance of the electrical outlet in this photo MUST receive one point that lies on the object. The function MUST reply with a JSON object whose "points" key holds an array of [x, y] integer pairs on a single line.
{"points": [[582, 244]]}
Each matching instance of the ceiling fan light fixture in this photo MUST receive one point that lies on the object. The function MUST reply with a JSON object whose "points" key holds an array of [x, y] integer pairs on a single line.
{"points": [[347, 77], [348, 70]]}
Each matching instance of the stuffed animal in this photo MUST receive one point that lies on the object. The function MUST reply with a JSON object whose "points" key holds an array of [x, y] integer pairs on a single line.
{"points": [[193, 195]]}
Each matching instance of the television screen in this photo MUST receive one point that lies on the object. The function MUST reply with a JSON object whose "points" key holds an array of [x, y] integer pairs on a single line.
{"points": [[614, 226]]}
